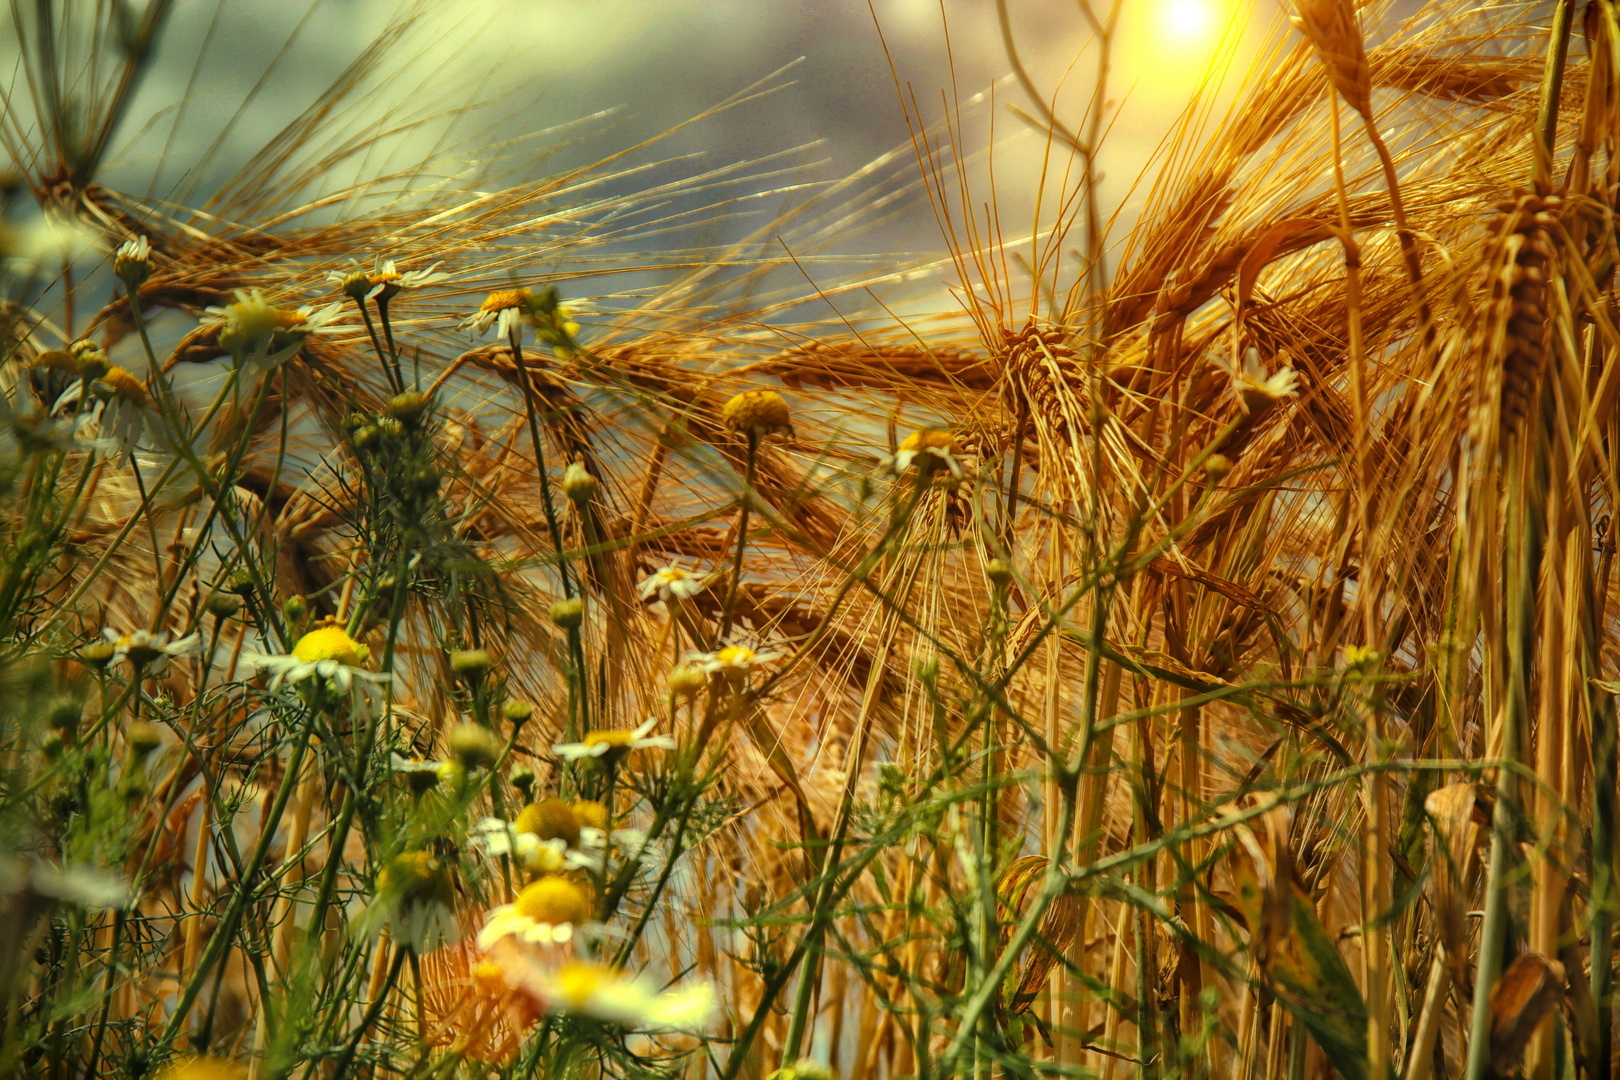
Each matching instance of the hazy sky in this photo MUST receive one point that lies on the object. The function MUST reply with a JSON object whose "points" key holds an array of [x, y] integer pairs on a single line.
{"points": [[659, 62]]}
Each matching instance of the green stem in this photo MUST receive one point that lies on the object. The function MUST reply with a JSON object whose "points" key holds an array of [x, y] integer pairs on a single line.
{"points": [[742, 539]]}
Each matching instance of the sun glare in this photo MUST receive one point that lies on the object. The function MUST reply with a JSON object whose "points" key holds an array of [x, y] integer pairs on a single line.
{"points": [[1187, 21]]}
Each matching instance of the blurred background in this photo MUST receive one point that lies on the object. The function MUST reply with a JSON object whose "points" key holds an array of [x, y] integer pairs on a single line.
{"points": [[594, 77]]}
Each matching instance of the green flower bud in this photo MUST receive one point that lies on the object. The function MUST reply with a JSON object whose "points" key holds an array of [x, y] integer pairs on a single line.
{"points": [[687, 680], [578, 484], [1216, 466], [239, 583], [97, 654], [408, 408], [569, 613], [223, 605], [142, 738], [523, 779], [64, 712], [470, 664], [367, 438], [999, 573], [517, 713], [295, 608], [474, 747]]}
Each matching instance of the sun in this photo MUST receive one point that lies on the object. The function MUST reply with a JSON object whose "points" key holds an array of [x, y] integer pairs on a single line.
{"points": [[1186, 20]]}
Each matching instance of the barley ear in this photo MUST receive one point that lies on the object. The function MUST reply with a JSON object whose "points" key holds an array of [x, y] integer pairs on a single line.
{"points": [[1330, 26]]}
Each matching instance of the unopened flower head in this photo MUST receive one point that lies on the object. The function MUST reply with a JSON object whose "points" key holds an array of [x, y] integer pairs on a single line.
{"points": [[253, 326], [132, 263], [671, 583], [544, 913], [578, 483], [758, 413], [599, 744], [90, 357], [929, 449], [421, 775], [474, 747]]}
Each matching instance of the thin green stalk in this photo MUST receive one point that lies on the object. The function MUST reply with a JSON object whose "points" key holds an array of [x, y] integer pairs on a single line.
{"points": [[742, 540]]}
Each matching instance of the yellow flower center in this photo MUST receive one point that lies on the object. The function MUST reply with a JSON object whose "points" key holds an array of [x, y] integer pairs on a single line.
{"points": [[384, 278], [736, 656], [501, 299], [760, 411], [934, 441], [578, 980], [671, 574], [590, 812], [549, 819], [125, 385], [554, 900], [330, 643], [609, 738]]}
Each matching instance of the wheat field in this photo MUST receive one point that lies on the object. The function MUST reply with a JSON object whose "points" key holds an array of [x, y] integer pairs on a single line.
{"points": [[1180, 650]]}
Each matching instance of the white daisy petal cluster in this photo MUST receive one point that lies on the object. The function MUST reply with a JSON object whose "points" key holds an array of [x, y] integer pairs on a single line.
{"points": [[928, 449], [1258, 392], [384, 280], [601, 743], [607, 994], [256, 331], [497, 838], [671, 583], [148, 650], [85, 886], [632, 845], [546, 912], [733, 661], [326, 652], [132, 262]]}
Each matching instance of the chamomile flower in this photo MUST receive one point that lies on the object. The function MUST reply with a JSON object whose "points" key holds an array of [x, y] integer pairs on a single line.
{"points": [[148, 651], [326, 652], [85, 886], [415, 900], [125, 414], [1256, 391], [629, 845], [252, 327], [132, 262], [421, 775], [928, 449], [602, 743], [507, 311], [605, 993], [671, 583], [733, 661], [546, 912], [499, 838], [384, 280]]}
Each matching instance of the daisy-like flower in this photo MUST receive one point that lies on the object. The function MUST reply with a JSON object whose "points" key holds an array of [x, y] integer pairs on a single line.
{"points": [[602, 743], [1256, 391], [544, 913], [421, 775], [326, 652], [383, 281], [150, 651], [928, 449], [416, 901], [132, 263], [733, 661], [125, 408], [499, 838], [630, 845], [252, 327], [85, 886], [508, 310], [671, 583], [607, 994]]}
